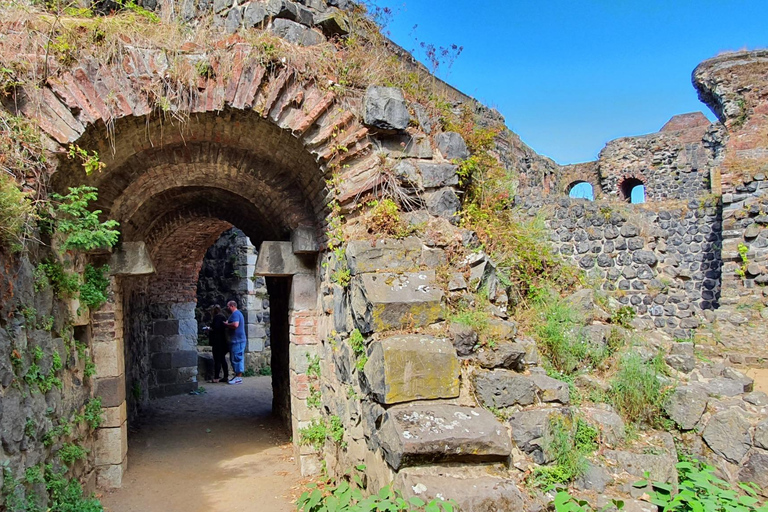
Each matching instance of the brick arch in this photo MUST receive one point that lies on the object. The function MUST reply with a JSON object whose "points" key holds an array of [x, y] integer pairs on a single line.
{"points": [[627, 182]]}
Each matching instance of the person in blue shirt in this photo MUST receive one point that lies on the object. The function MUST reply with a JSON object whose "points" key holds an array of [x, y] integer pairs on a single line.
{"points": [[237, 340]]}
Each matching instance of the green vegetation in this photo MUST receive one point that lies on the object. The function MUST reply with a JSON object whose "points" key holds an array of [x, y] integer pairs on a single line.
{"points": [[623, 316], [336, 431], [743, 251], [265, 370], [17, 214], [564, 502], [348, 495], [567, 442], [93, 291], [384, 218], [80, 226], [314, 435], [71, 452], [357, 344], [637, 391], [700, 490], [557, 327], [90, 161], [314, 400]]}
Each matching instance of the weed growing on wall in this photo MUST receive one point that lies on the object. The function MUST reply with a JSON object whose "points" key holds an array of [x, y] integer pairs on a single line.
{"points": [[637, 392], [93, 291], [567, 442], [80, 226], [17, 214]]}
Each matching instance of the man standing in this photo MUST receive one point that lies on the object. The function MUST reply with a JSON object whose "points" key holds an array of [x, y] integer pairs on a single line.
{"points": [[237, 341]]}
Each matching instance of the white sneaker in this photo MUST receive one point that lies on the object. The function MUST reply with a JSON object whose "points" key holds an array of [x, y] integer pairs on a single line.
{"points": [[236, 380]]}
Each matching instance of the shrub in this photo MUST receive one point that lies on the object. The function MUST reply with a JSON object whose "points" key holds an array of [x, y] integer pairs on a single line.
{"points": [[64, 284], [17, 214], [623, 316], [79, 225], [93, 291], [384, 218], [567, 442], [357, 343], [637, 391], [700, 490]]}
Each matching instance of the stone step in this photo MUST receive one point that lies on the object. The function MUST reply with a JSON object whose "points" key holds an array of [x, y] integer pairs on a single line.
{"points": [[386, 301], [476, 489], [420, 433]]}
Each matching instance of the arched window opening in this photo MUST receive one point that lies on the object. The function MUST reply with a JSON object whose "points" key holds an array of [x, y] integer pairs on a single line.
{"points": [[633, 190], [581, 190]]}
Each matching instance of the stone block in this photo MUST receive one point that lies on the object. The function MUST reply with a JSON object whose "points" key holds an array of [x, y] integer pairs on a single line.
{"points": [[109, 359], [111, 390], [405, 145], [296, 33], [184, 359], [506, 354], [277, 259], [303, 293], [471, 488], [255, 345], [304, 240], [685, 406], [114, 416], [111, 445], [385, 108], [727, 433], [529, 429], [388, 254], [165, 327], [435, 175], [393, 301], [550, 390], [131, 259], [166, 343], [443, 202], [255, 331], [333, 23], [172, 389], [428, 433], [503, 388], [412, 367], [299, 356], [110, 477], [452, 146], [255, 15]]}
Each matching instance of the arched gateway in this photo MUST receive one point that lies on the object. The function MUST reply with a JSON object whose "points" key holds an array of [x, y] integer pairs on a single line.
{"points": [[252, 151]]}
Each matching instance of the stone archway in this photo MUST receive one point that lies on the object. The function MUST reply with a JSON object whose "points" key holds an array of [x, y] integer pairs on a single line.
{"points": [[253, 153]]}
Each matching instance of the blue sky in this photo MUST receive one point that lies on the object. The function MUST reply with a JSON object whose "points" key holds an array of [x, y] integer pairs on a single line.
{"points": [[569, 76]]}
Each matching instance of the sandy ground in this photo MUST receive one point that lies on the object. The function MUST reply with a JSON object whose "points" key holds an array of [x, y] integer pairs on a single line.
{"points": [[761, 378], [220, 451]]}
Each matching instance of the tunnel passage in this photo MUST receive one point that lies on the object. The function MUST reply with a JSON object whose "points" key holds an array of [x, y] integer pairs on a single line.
{"points": [[176, 188]]}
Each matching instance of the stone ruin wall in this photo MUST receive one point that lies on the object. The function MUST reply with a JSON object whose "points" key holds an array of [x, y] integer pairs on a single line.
{"points": [[454, 378]]}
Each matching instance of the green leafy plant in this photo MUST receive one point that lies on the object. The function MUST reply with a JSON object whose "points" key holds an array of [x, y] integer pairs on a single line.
{"points": [[623, 316], [314, 434], [699, 490], [357, 344], [93, 413], [81, 227], [249, 372], [567, 442], [90, 161], [314, 400], [344, 497], [265, 370], [743, 251], [66, 495], [93, 291], [336, 431], [90, 368], [71, 452], [564, 502]]}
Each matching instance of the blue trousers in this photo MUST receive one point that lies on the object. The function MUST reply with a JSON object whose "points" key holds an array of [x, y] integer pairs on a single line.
{"points": [[237, 356]]}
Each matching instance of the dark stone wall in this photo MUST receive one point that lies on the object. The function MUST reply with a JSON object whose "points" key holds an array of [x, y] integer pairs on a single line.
{"points": [[35, 331]]}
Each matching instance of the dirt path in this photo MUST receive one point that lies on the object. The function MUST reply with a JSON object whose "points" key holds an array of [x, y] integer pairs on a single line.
{"points": [[220, 451]]}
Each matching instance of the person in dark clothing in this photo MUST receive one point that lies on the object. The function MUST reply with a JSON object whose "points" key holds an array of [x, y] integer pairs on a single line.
{"points": [[219, 345]]}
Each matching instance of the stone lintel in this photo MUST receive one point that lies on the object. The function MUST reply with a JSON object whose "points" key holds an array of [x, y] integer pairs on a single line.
{"points": [[277, 259], [304, 241], [132, 259]]}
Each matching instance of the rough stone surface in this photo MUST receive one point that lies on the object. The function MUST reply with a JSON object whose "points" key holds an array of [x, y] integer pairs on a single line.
{"points": [[685, 406], [550, 390], [503, 388], [385, 108], [473, 489], [506, 354], [412, 367], [388, 254], [391, 301], [727, 433], [434, 432], [296, 33], [452, 146], [529, 428]]}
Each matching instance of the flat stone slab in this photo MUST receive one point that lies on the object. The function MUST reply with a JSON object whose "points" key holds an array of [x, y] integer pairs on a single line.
{"points": [[412, 367], [504, 388], [277, 259], [475, 489], [389, 254], [132, 259], [413, 434], [394, 301]]}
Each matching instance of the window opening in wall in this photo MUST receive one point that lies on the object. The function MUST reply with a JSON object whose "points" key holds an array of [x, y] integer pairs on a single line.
{"points": [[581, 190], [633, 190]]}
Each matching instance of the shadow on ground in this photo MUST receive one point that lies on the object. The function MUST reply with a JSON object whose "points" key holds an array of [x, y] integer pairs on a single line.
{"points": [[217, 451]]}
